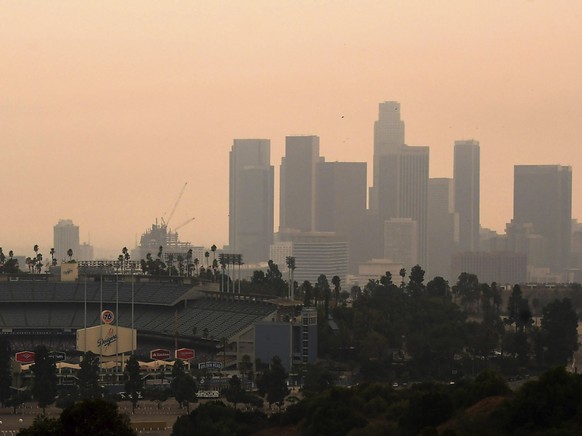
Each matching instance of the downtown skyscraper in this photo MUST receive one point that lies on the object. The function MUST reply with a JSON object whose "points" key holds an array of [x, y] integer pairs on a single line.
{"points": [[467, 191], [298, 183], [542, 197], [400, 176], [251, 199]]}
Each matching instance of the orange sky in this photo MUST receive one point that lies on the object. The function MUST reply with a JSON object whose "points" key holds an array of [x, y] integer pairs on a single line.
{"points": [[107, 108]]}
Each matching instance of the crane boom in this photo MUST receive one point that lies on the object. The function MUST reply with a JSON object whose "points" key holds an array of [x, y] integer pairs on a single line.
{"points": [[176, 203], [184, 223]]}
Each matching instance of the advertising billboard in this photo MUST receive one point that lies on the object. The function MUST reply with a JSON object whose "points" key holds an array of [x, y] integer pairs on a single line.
{"points": [[106, 340]]}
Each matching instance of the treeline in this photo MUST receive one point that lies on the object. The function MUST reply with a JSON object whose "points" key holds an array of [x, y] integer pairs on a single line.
{"points": [[412, 330]]}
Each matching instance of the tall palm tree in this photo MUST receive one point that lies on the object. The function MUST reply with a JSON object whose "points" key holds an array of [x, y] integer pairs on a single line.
{"points": [[70, 254], [207, 255], [38, 263], [189, 262], [196, 263], [53, 260], [213, 249]]}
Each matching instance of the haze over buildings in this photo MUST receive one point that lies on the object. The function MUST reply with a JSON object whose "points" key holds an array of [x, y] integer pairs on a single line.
{"points": [[103, 122]]}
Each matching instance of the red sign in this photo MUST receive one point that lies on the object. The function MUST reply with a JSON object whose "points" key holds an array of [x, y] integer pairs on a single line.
{"points": [[24, 357], [107, 316], [159, 354], [185, 354]]}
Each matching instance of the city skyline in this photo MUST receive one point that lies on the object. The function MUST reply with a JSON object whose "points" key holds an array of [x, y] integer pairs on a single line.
{"points": [[103, 123]]}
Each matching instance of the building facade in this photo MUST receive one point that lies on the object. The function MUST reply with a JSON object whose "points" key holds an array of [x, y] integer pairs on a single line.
{"points": [[65, 237], [542, 196], [467, 192], [298, 180], [251, 199]]}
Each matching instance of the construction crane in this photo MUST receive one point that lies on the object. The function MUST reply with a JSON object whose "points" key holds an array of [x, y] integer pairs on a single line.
{"points": [[166, 223], [184, 223]]}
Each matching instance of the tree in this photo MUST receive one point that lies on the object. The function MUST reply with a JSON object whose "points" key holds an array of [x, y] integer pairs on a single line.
{"points": [[88, 377], [206, 256], [273, 382], [5, 371], [307, 291], [416, 281], [559, 331], [44, 386], [234, 393], [133, 381], [183, 385], [89, 417], [336, 282], [70, 254], [95, 418], [245, 367], [224, 344]]}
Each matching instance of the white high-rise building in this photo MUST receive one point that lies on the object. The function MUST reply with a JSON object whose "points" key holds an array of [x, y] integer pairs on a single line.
{"points": [[320, 253], [65, 237]]}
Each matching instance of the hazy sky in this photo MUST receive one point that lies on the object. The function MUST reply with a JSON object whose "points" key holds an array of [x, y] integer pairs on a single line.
{"points": [[107, 108]]}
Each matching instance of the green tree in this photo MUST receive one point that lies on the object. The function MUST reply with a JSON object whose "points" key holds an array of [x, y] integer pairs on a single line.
{"points": [[183, 385], [234, 393], [272, 383], [43, 426], [336, 282], [416, 281], [44, 386], [133, 380], [96, 418], [88, 377], [559, 331]]}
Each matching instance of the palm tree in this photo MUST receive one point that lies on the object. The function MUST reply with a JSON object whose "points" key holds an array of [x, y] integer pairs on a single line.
{"points": [[207, 255], [70, 254], [180, 259], [38, 263], [2, 256], [213, 249], [53, 260], [196, 263], [189, 263]]}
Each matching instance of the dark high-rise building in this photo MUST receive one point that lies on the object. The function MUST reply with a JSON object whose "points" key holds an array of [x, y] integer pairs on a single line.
{"points": [[388, 138], [251, 201], [298, 179], [443, 227], [400, 176], [542, 196], [340, 204], [466, 176], [403, 190]]}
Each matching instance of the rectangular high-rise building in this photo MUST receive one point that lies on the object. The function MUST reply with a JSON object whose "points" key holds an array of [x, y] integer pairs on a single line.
{"points": [[251, 199], [400, 187], [65, 237], [542, 196], [403, 191], [388, 138], [443, 227], [340, 204], [467, 191], [298, 179]]}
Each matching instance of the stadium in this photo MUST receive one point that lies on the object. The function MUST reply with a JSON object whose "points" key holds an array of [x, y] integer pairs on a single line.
{"points": [[168, 313]]}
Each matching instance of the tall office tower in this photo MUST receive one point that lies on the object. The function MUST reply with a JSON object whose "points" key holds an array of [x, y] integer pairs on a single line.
{"points": [[298, 178], [466, 176], [251, 199], [542, 196], [340, 204], [65, 236], [443, 227], [401, 241], [388, 138], [403, 190]]}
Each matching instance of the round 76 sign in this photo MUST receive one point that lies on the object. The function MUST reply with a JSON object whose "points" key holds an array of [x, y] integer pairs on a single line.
{"points": [[107, 316]]}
